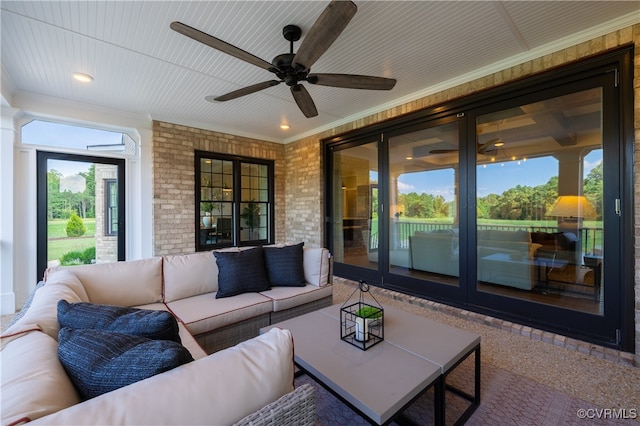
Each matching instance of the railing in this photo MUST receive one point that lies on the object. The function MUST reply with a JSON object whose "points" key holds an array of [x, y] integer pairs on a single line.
{"points": [[590, 238]]}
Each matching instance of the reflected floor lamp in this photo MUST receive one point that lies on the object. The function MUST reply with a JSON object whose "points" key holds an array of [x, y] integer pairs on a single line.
{"points": [[570, 210]]}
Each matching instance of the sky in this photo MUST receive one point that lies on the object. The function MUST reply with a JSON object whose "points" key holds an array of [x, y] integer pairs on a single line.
{"points": [[46, 133]]}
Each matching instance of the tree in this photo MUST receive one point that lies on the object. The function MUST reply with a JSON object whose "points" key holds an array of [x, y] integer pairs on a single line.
{"points": [[56, 201], [86, 201], [62, 204], [593, 188]]}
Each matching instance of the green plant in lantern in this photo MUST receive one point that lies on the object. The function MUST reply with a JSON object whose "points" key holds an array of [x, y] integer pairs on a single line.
{"points": [[369, 312]]}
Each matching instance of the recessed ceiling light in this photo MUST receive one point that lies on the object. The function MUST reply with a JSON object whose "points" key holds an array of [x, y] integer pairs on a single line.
{"points": [[85, 78], [284, 126]]}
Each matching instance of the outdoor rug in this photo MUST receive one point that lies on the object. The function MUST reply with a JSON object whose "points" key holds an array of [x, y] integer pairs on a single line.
{"points": [[506, 399]]}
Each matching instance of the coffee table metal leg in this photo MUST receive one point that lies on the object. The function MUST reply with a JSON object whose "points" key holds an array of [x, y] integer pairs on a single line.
{"points": [[475, 399], [439, 401]]}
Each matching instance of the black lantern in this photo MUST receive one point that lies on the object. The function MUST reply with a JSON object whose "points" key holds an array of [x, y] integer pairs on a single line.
{"points": [[361, 323]]}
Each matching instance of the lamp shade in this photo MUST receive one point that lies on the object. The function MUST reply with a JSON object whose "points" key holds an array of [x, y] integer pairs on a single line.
{"points": [[572, 206]]}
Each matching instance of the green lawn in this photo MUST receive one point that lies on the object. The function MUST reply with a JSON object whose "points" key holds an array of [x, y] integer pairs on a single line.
{"points": [[60, 244]]}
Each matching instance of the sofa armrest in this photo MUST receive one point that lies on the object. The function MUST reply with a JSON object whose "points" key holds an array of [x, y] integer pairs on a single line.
{"points": [[218, 389], [297, 408]]}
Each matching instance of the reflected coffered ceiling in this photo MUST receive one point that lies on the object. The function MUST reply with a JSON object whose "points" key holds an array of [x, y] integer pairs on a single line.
{"points": [[142, 68]]}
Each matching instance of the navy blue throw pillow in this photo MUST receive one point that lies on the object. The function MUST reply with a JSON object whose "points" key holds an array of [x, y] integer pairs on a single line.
{"points": [[284, 265], [156, 325], [241, 272], [98, 362]]}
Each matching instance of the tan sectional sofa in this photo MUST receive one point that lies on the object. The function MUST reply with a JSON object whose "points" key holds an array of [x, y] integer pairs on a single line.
{"points": [[217, 388]]}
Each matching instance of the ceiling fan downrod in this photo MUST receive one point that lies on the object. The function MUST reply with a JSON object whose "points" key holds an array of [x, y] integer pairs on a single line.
{"points": [[282, 63]]}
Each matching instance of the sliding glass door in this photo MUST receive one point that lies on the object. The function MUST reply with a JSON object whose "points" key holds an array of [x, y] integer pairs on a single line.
{"points": [[540, 214], [517, 205], [423, 216]]}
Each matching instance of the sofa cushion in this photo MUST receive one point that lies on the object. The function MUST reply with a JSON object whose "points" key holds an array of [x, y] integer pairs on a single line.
{"points": [[289, 297], [202, 314], [317, 265], [186, 339], [26, 305], [241, 272], [43, 313], [155, 325], [284, 265], [34, 383], [216, 390], [130, 283], [189, 275], [98, 361]]}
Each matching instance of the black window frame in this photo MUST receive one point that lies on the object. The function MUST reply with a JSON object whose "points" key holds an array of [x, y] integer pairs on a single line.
{"points": [[237, 201], [110, 219]]}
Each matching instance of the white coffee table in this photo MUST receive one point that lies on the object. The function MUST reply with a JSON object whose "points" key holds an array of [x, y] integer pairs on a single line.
{"points": [[383, 381]]}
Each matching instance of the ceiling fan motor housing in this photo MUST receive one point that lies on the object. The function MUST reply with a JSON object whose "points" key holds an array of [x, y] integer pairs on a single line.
{"points": [[286, 71]]}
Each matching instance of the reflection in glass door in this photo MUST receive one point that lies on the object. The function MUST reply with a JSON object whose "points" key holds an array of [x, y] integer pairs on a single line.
{"points": [[423, 215], [79, 210], [540, 222], [355, 206]]}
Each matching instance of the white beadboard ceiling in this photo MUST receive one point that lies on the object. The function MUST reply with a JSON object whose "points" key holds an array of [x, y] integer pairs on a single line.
{"points": [[143, 68]]}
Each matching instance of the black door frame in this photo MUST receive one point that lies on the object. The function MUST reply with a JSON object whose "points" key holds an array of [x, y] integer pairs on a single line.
{"points": [[42, 202]]}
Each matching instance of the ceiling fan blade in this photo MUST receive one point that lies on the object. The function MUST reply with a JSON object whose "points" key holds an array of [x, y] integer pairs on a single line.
{"points": [[483, 147], [244, 91], [352, 81], [220, 45], [304, 101], [329, 25]]}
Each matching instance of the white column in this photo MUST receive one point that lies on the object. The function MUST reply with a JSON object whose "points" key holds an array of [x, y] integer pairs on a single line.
{"points": [[7, 141], [141, 209]]}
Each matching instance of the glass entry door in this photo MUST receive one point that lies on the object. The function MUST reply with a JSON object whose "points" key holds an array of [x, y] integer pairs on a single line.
{"points": [[80, 210]]}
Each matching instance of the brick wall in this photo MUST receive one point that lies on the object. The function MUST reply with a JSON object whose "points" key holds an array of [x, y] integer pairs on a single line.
{"points": [[304, 200], [173, 180]]}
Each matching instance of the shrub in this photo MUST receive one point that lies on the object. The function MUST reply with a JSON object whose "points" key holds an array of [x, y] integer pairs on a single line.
{"points": [[78, 258], [71, 258], [89, 255], [75, 226]]}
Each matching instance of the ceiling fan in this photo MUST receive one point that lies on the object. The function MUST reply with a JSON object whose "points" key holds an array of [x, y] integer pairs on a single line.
{"points": [[294, 68]]}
